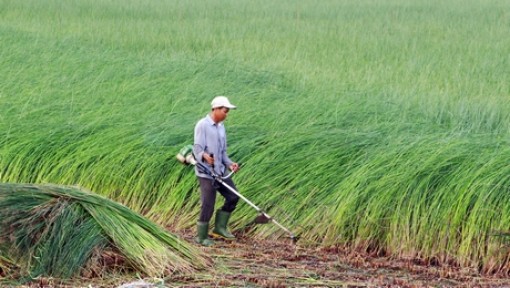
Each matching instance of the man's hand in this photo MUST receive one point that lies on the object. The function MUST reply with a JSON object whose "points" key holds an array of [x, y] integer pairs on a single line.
{"points": [[234, 167], [208, 158]]}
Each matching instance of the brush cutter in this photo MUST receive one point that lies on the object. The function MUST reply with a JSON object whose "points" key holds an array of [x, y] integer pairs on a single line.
{"points": [[185, 156]]}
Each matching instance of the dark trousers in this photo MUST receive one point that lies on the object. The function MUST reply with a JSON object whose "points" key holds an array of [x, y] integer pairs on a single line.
{"points": [[208, 188]]}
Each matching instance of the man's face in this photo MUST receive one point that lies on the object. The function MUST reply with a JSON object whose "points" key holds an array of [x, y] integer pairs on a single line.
{"points": [[220, 114]]}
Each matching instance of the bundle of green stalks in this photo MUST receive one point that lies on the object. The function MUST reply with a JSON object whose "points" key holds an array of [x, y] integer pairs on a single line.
{"points": [[60, 231], [379, 125]]}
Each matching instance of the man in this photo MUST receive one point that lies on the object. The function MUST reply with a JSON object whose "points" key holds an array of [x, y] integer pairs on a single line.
{"points": [[210, 149]]}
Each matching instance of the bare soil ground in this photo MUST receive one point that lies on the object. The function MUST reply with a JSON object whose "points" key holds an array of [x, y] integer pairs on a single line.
{"points": [[249, 262]]}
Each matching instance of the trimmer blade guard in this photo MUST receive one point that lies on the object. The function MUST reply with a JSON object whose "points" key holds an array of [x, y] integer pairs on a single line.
{"points": [[262, 219]]}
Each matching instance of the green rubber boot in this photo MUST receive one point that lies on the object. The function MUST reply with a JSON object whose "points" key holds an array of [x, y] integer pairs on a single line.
{"points": [[203, 234], [220, 225]]}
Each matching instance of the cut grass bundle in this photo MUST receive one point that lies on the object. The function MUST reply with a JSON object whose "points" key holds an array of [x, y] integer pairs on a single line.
{"points": [[6, 265], [56, 230]]}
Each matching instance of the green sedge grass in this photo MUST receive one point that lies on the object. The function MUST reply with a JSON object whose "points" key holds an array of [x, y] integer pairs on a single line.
{"points": [[377, 124]]}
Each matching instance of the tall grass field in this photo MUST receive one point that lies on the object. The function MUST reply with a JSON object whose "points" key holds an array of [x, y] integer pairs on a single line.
{"points": [[381, 125]]}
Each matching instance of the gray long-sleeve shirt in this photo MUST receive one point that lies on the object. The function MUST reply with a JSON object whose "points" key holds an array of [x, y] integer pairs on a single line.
{"points": [[211, 138]]}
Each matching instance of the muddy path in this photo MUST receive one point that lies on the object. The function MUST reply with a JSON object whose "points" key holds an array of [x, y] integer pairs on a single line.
{"points": [[248, 262]]}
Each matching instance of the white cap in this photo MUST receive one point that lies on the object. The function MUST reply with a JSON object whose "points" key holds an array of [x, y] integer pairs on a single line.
{"points": [[222, 101]]}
